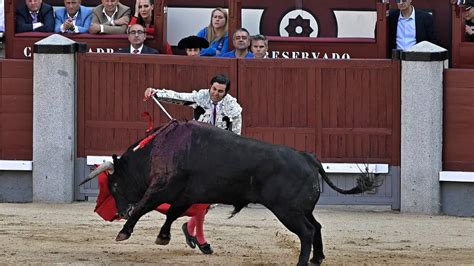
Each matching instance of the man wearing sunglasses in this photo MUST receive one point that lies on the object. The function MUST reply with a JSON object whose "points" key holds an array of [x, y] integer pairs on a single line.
{"points": [[136, 37], [407, 26]]}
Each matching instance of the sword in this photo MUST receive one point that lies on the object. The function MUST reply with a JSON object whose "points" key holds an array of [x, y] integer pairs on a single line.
{"points": [[161, 106]]}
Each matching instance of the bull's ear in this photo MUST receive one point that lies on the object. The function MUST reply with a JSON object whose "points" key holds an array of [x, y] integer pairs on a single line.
{"points": [[114, 157]]}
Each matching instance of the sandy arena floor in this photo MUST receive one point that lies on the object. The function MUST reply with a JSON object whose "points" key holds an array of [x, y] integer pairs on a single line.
{"points": [[73, 233]]}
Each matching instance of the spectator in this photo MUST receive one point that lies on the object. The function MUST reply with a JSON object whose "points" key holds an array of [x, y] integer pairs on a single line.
{"points": [[407, 26], [110, 17], [241, 40], [144, 15], [136, 37], [34, 16], [193, 45], [216, 33], [73, 17], [259, 46], [469, 17]]}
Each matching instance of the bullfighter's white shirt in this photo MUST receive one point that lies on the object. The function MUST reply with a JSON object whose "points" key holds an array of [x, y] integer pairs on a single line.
{"points": [[228, 106]]}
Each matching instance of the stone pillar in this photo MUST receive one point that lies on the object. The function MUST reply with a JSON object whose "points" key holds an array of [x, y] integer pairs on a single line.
{"points": [[421, 127], [54, 94]]}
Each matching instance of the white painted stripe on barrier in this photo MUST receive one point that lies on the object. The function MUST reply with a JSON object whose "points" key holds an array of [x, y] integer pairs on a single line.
{"points": [[454, 176], [354, 168], [16, 165], [349, 168], [92, 160]]}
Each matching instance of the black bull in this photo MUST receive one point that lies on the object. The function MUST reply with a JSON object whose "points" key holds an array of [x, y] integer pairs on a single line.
{"points": [[191, 162]]}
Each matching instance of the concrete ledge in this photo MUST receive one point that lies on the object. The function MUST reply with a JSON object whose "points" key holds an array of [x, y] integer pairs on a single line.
{"points": [[355, 168], [92, 160], [15, 165], [344, 168], [452, 176]]}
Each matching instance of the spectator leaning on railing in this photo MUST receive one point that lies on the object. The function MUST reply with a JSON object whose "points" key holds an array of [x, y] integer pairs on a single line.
{"points": [[34, 15], [73, 17], [110, 17]]}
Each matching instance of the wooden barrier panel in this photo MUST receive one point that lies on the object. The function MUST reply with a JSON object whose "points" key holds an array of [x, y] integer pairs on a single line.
{"points": [[458, 135], [344, 110], [110, 93], [16, 110]]}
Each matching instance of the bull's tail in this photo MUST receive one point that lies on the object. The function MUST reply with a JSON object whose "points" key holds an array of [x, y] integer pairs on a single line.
{"points": [[365, 181]]}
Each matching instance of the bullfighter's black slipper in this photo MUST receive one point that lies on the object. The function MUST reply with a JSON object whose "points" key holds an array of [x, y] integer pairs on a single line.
{"points": [[190, 240], [205, 248]]}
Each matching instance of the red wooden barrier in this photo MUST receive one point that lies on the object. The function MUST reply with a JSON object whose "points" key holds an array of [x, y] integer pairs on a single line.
{"points": [[458, 137], [110, 92], [344, 110], [16, 109]]}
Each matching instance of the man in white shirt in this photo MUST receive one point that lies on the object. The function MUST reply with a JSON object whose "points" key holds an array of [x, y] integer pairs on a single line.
{"points": [[407, 26]]}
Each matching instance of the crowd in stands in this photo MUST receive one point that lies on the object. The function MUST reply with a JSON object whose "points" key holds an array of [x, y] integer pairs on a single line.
{"points": [[407, 26], [112, 17]]}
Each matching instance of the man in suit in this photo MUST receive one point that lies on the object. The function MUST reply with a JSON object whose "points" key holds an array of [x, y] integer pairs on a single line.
{"points": [[73, 17], [34, 16], [136, 36], [110, 17], [407, 26]]}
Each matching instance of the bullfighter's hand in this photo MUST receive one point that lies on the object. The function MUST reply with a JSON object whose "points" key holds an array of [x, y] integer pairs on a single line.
{"points": [[148, 93]]}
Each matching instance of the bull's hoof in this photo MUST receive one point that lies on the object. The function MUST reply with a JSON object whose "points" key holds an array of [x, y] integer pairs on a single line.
{"points": [[122, 236], [316, 262], [162, 240]]}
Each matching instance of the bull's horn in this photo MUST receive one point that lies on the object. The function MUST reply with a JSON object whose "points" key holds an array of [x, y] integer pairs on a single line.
{"points": [[105, 166]]}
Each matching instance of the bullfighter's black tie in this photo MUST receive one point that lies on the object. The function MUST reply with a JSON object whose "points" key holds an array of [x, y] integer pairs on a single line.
{"points": [[214, 114]]}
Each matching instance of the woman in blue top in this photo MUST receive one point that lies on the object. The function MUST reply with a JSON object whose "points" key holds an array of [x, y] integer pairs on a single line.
{"points": [[216, 34]]}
